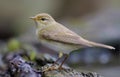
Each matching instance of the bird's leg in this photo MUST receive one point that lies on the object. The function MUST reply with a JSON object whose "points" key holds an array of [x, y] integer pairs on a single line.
{"points": [[53, 67], [59, 57], [66, 56]]}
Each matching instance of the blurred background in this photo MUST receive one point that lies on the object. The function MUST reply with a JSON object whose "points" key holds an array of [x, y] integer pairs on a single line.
{"points": [[95, 20]]}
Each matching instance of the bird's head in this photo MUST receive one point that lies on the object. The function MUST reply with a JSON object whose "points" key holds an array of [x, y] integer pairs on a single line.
{"points": [[43, 19]]}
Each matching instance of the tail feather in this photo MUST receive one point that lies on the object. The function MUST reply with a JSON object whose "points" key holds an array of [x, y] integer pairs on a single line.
{"points": [[93, 44], [101, 45]]}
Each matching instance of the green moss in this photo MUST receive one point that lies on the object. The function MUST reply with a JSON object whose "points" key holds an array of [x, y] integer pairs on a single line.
{"points": [[13, 45]]}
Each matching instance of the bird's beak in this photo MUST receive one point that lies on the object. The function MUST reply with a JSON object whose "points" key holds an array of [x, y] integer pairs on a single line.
{"points": [[33, 18]]}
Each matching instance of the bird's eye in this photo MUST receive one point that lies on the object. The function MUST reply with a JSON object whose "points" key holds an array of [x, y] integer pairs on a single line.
{"points": [[43, 19]]}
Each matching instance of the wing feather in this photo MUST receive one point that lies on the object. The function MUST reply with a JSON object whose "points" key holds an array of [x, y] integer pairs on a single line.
{"points": [[64, 35]]}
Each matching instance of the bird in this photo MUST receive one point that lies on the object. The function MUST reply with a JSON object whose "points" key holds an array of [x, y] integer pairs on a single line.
{"points": [[56, 36]]}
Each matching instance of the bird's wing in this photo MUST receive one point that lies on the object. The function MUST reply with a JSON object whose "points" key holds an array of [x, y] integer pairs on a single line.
{"points": [[72, 38], [64, 36]]}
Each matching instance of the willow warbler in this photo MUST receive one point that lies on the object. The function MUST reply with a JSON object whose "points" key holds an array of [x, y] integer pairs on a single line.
{"points": [[59, 38]]}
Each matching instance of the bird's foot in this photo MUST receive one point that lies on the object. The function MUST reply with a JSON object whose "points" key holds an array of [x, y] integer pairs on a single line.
{"points": [[51, 67], [60, 68]]}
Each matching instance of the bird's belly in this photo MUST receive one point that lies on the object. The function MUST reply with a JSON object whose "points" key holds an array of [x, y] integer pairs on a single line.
{"points": [[59, 47]]}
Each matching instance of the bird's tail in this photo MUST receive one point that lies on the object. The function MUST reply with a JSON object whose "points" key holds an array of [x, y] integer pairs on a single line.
{"points": [[100, 45]]}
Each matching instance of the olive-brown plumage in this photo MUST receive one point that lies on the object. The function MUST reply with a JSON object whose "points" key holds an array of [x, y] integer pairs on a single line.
{"points": [[59, 38]]}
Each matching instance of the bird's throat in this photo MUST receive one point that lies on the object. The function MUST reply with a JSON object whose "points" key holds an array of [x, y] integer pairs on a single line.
{"points": [[38, 25]]}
